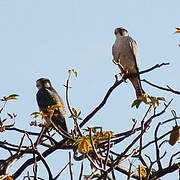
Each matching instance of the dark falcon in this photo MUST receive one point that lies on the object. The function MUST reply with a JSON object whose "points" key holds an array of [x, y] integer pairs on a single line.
{"points": [[47, 96], [126, 56]]}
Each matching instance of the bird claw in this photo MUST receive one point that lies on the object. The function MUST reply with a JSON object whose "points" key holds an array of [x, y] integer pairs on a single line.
{"points": [[123, 75], [117, 76]]}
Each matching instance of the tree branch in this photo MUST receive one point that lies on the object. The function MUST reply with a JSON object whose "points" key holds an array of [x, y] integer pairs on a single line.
{"points": [[162, 88]]}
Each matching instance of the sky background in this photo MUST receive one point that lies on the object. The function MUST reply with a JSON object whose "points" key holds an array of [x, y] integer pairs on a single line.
{"points": [[47, 38]]}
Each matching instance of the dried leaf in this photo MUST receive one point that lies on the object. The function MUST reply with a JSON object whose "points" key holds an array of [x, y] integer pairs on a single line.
{"points": [[36, 114], [74, 72], [57, 106], [74, 111], [174, 136], [177, 31], [10, 97], [161, 99], [84, 145], [6, 177], [2, 128]]}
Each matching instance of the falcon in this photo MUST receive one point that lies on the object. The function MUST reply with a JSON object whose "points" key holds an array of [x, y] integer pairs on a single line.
{"points": [[47, 97], [126, 56]]}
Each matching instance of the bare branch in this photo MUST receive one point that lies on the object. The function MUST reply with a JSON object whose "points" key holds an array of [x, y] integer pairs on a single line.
{"points": [[171, 159], [157, 147], [70, 166], [61, 171], [81, 171], [154, 67], [165, 171], [162, 88]]}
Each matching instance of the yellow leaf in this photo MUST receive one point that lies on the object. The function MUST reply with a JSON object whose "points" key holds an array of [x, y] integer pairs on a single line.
{"points": [[10, 97], [37, 114], [84, 145], [177, 31], [2, 128], [6, 177], [143, 171], [101, 136], [56, 106], [74, 111], [75, 73]]}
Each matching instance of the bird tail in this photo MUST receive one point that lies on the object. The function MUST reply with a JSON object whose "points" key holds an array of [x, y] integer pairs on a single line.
{"points": [[59, 120], [137, 85]]}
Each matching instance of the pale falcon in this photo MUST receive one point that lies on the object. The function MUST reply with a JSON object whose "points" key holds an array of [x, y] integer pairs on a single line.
{"points": [[47, 96], [126, 56]]}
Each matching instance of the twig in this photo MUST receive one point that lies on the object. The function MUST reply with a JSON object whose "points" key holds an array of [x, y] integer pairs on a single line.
{"points": [[162, 88], [164, 171], [131, 154], [34, 157], [154, 67], [20, 145], [101, 104], [68, 103], [42, 159], [108, 150], [81, 171], [116, 83], [97, 167], [171, 159], [57, 176], [70, 166], [93, 146], [44, 154], [157, 147], [129, 175]]}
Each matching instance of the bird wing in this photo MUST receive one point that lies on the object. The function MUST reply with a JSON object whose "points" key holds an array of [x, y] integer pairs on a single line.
{"points": [[49, 97], [45, 98], [134, 49], [115, 53], [135, 79]]}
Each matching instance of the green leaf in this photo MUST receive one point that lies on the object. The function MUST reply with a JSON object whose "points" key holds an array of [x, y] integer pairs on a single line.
{"points": [[136, 103]]}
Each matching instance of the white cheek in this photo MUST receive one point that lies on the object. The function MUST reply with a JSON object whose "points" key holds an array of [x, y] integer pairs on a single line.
{"points": [[47, 85]]}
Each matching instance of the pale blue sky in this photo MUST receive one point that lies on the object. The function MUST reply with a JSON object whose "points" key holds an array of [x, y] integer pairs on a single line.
{"points": [[46, 38]]}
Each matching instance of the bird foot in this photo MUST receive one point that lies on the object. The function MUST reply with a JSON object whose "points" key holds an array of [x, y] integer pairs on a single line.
{"points": [[117, 76]]}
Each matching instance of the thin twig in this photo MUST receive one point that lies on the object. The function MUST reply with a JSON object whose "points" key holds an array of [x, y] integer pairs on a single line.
{"points": [[129, 175], [171, 159], [162, 88], [93, 146], [20, 145], [108, 150], [57, 176], [81, 171], [68, 103], [154, 67], [70, 166], [157, 147]]}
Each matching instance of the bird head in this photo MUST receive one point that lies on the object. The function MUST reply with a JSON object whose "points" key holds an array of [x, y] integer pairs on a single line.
{"points": [[120, 32], [43, 83]]}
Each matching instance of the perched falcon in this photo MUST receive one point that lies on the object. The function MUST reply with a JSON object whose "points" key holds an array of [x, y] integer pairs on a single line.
{"points": [[47, 96], [126, 56]]}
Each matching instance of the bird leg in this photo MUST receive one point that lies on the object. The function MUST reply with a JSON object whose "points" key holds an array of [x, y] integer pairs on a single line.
{"points": [[124, 73]]}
